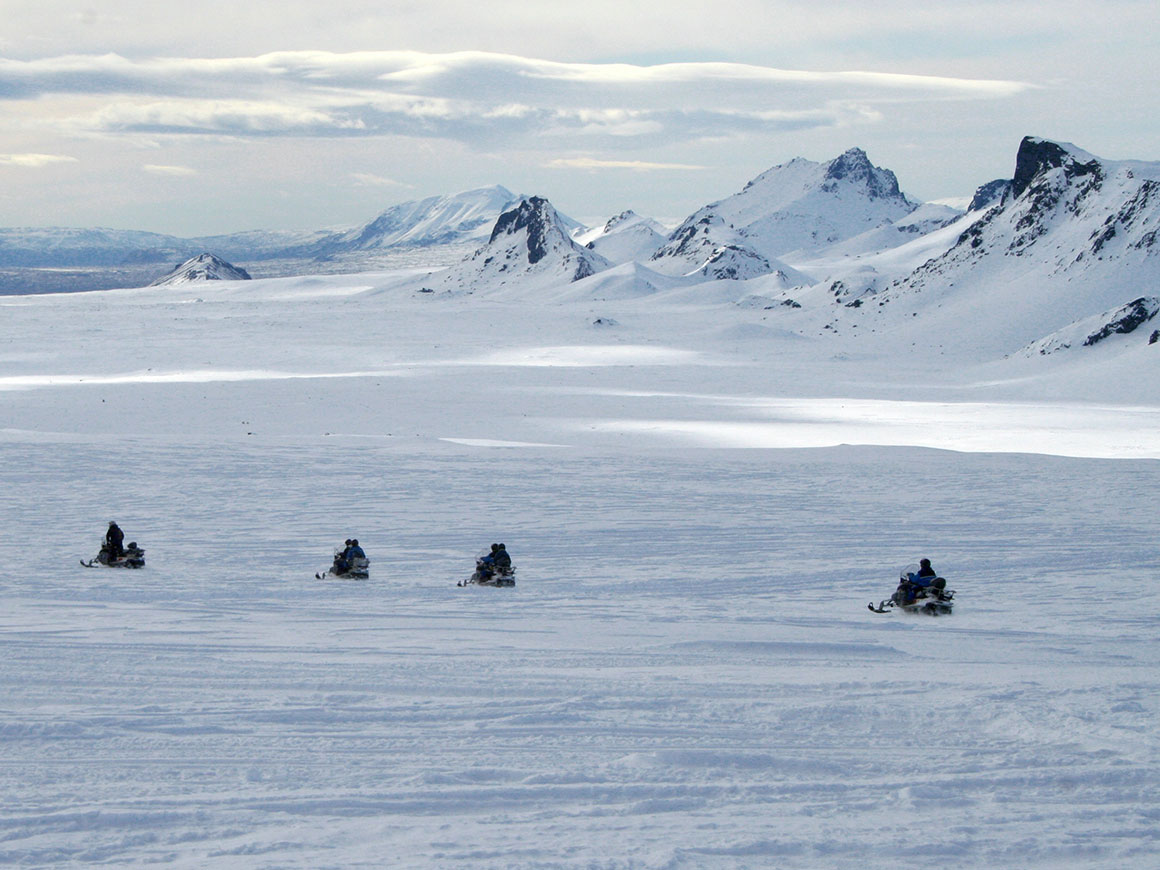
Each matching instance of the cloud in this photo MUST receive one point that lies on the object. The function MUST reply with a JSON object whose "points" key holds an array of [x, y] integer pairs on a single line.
{"points": [[367, 179], [634, 165], [478, 98], [178, 171], [34, 161]]}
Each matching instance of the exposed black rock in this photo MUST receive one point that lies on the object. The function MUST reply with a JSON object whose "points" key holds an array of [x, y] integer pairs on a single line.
{"points": [[1128, 319], [990, 194], [1038, 155], [1126, 219], [530, 215]]}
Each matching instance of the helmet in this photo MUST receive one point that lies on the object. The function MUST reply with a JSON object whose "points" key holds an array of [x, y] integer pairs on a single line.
{"points": [[501, 547], [347, 542], [354, 542], [494, 547], [925, 563]]}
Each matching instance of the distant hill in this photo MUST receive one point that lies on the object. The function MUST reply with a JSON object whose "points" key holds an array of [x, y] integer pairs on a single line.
{"points": [[436, 220], [203, 267]]}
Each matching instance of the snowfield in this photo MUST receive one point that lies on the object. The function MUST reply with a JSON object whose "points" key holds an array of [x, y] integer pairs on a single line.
{"points": [[700, 503]]}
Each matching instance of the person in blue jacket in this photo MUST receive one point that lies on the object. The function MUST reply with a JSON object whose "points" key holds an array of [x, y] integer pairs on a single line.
{"points": [[353, 551], [925, 578]]}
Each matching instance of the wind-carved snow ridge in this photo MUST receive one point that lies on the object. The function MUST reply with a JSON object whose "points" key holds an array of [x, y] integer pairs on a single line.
{"points": [[203, 267]]}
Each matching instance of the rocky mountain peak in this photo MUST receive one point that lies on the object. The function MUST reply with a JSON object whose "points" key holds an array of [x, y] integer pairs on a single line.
{"points": [[1037, 156], [529, 244], [855, 166], [537, 218]]}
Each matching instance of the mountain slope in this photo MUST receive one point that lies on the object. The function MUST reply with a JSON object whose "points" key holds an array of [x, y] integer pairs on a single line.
{"points": [[625, 238], [798, 206], [1075, 237], [436, 220]]}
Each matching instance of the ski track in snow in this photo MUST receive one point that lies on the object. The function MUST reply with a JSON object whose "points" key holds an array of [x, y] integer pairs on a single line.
{"points": [[685, 676]]}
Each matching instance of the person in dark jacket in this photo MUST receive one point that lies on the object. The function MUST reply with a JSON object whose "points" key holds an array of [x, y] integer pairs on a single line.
{"points": [[342, 559], [485, 567], [114, 541], [501, 558]]}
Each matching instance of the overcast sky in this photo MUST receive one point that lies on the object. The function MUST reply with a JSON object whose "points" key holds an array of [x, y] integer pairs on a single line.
{"points": [[210, 117]]}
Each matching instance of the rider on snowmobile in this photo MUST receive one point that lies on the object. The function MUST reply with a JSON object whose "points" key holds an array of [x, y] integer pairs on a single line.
{"points": [[924, 578], [501, 558], [114, 540]]}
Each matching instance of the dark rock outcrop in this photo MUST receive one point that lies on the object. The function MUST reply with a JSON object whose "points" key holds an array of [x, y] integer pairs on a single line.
{"points": [[989, 194]]}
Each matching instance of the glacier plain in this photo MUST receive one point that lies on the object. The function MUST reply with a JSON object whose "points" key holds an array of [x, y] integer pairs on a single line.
{"points": [[700, 505]]}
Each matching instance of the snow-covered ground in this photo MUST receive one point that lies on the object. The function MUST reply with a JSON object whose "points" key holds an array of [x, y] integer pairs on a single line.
{"points": [[686, 674]]}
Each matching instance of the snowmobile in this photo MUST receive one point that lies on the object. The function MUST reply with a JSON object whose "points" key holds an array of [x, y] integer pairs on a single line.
{"points": [[132, 557], [488, 574], [918, 595], [357, 568]]}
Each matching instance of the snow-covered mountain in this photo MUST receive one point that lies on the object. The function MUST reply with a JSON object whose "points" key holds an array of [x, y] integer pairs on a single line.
{"points": [[203, 267], [530, 246], [432, 231], [1041, 262], [436, 220], [1075, 237], [625, 238], [797, 206]]}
